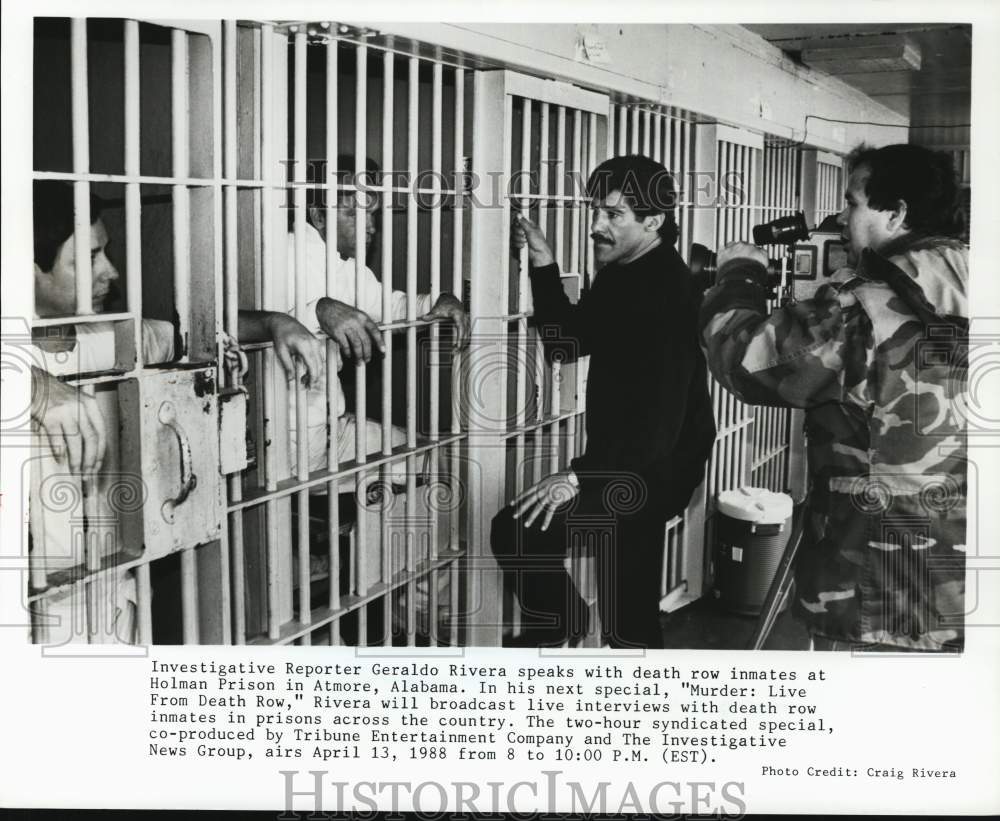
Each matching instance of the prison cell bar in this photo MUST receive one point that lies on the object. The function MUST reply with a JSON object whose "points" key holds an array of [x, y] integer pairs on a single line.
{"points": [[658, 120], [539, 375], [588, 271], [520, 358], [634, 147], [560, 204], [133, 265], [231, 312], [588, 572], [332, 350], [576, 560], [358, 554], [219, 297], [270, 380], [133, 204], [431, 462], [180, 111], [555, 401], [458, 285], [84, 274], [81, 165], [412, 159], [744, 159], [299, 177], [573, 172], [388, 569]]}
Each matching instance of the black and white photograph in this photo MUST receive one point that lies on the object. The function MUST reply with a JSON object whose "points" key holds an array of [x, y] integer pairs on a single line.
{"points": [[499, 373]]}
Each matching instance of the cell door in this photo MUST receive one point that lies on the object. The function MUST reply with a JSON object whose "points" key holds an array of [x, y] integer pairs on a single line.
{"points": [[535, 143], [132, 556], [346, 520]]}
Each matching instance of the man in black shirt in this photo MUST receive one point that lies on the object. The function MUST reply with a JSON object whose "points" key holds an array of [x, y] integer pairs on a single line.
{"points": [[650, 427]]}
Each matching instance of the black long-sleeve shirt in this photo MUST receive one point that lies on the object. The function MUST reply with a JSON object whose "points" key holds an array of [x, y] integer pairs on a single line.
{"points": [[648, 408]]}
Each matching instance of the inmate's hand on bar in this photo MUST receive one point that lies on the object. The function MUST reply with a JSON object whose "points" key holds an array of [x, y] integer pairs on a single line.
{"points": [[353, 330], [742, 250], [72, 421], [232, 355], [524, 231], [448, 307], [547, 496], [293, 342]]}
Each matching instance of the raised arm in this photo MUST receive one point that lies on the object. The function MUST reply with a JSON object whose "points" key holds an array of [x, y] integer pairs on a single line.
{"points": [[560, 322], [799, 355]]}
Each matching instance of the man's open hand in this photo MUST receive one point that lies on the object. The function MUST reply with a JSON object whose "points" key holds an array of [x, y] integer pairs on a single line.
{"points": [[524, 231], [294, 342], [546, 497], [353, 330], [448, 307], [72, 421]]}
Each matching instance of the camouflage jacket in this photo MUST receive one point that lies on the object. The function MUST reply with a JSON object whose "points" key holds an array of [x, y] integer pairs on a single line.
{"points": [[879, 364]]}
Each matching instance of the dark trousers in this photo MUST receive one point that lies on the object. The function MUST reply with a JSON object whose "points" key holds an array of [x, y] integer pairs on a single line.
{"points": [[629, 558]]}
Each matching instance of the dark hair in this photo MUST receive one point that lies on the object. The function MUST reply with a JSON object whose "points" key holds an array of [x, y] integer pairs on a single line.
{"points": [[924, 179], [647, 186], [316, 198], [52, 213]]}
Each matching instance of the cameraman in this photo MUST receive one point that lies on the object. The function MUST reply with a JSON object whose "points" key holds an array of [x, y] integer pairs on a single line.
{"points": [[882, 562]]}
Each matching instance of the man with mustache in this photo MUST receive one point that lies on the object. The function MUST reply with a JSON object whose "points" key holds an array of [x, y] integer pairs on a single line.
{"points": [[649, 422], [878, 364]]}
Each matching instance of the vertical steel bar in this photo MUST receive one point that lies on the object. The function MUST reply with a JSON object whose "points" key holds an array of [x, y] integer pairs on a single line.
{"points": [[433, 456], [611, 130], [180, 116], [560, 243], [591, 165], [231, 308], [361, 217], [81, 165], [458, 283], [331, 205], [388, 88], [578, 200], [301, 298], [412, 160], [521, 359], [540, 371], [189, 595], [84, 280], [133, 203], [143, 605], [657, 139], [269, 201]]}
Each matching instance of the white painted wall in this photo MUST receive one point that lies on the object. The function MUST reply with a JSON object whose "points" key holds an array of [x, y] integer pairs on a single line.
{"points": [[719, 71]]}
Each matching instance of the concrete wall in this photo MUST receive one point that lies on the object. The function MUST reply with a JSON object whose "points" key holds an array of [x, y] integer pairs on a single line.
{"points": [[721, 72]]}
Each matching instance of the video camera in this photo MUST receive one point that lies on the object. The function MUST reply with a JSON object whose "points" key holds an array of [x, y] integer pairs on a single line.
{"points": [[781, 231]]}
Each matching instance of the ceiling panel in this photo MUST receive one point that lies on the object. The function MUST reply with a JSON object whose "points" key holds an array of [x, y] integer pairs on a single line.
{"points": [[938, 92]]}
